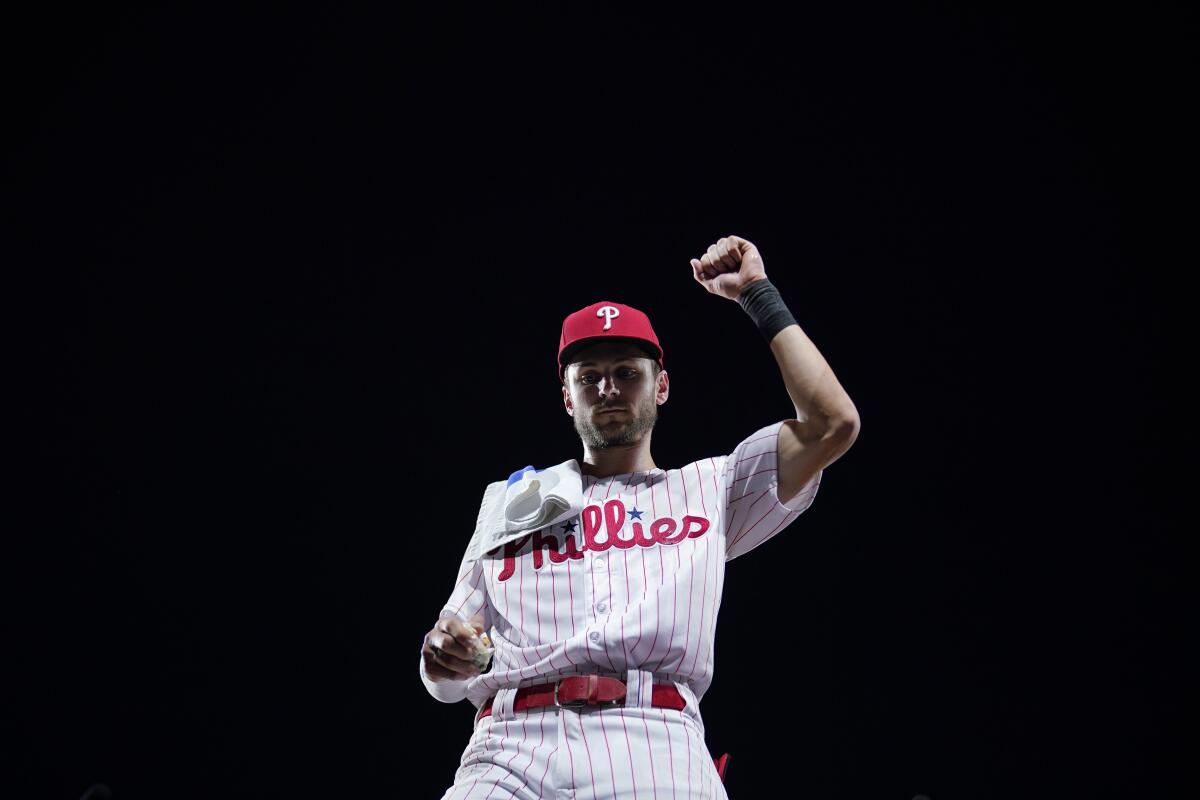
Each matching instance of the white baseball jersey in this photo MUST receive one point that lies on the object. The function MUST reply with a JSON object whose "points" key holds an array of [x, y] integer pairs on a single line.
{"points": [[630, 588]]}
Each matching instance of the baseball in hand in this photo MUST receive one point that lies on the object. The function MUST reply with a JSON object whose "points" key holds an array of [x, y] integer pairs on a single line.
{"points": [[456, 649], [483, 649], [729, 265]]}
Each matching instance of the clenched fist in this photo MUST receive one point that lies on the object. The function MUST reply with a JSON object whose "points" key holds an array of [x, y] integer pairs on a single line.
{"points": [[729, 266], [451, 648]]}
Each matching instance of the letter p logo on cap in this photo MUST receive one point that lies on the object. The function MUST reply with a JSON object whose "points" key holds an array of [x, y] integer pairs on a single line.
{"points": [[609, 313], [606, 321]]}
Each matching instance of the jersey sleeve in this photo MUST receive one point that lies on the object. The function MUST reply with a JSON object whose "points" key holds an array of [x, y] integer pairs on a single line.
{"points": [[753, 511], [468, 598]]}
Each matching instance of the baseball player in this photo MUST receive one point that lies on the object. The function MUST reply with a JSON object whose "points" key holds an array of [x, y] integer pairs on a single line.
{"points": [[587, 646]]}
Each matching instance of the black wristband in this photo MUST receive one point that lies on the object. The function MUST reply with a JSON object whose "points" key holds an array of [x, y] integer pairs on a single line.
{"points": [[762, 302]]}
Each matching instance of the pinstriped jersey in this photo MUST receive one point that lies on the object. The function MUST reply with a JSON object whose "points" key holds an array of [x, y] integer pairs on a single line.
{"points": [[633, 582]]}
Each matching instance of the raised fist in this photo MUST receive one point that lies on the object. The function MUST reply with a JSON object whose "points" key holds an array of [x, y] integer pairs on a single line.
{"points": [[728, 267]]}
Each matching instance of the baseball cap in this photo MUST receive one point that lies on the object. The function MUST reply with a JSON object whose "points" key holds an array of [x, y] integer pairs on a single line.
{"points": [[606, 321]]}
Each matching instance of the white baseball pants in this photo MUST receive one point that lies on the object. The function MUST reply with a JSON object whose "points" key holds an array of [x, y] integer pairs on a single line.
{"points": [[625, 752]]}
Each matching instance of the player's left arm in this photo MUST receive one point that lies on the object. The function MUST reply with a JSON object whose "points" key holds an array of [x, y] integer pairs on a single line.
{"points": [[826, 422]]}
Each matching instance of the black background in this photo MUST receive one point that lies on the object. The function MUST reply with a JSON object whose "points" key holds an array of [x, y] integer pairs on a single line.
{"points": [[289, 283]]}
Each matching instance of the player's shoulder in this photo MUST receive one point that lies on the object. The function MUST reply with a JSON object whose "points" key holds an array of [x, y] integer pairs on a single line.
{"points": [[763, 433], [757, 441], [702, 466]]}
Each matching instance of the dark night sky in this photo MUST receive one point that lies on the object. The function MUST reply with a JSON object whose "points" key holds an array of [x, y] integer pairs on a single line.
{"points": [[290, 284]]}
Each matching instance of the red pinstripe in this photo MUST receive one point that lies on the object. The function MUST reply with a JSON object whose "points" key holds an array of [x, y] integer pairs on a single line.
{"points": [[571, 589], [554, 601], [591, 766], [670, 750], [718, 563], [708, 554], [508, 766], [521, 611], [549, 758], [612, 772], [570, 755], [465, 574], [645, 584], [738, 538], [506, 614], [740, 499], [537, 602], [629, 750], [752, 474], [688, 733], [670, 506], [688, 629], [753, 456], [674, 584], [611, 610], [674, 613], [662, 571], [486, 772], [468, 597]]}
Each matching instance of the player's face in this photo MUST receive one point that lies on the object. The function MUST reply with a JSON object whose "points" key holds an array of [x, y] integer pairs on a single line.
{"points": [[612, 394]]}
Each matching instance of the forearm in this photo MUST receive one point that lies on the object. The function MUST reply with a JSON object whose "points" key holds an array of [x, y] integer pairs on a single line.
{"points": [[815, 391], [818, 397]]}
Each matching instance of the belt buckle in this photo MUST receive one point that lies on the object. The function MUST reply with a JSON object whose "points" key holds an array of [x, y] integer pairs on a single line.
{"points": [[583, 703], [569, 703]]}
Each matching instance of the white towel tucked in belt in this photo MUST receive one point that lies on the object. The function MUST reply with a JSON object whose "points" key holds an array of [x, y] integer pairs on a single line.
{"points": [[528, 501]]}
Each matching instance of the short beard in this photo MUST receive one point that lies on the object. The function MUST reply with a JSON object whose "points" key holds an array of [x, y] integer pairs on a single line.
{"points": [[644, 417]]}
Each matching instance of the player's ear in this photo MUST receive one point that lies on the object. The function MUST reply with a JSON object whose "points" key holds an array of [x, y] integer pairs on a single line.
{"points": [[662, 387], [567, 400]]}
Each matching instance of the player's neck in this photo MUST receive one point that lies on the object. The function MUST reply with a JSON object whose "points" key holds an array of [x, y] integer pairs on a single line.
{"points": [[620, 460]]}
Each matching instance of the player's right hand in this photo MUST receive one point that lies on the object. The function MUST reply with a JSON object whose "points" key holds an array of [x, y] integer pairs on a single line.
{"points": [[448, 649]]}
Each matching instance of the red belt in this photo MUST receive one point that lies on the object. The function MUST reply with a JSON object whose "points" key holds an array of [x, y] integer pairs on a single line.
{"points": [[595, 690], [579, 691]]}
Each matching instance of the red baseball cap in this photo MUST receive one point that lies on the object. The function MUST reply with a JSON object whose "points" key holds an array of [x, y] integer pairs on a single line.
{"points": [[606, 321]]}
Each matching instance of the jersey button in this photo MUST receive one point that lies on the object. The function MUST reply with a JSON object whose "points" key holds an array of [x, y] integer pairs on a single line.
{"points": [[594, 636], [601, 607], [600, 561]]}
